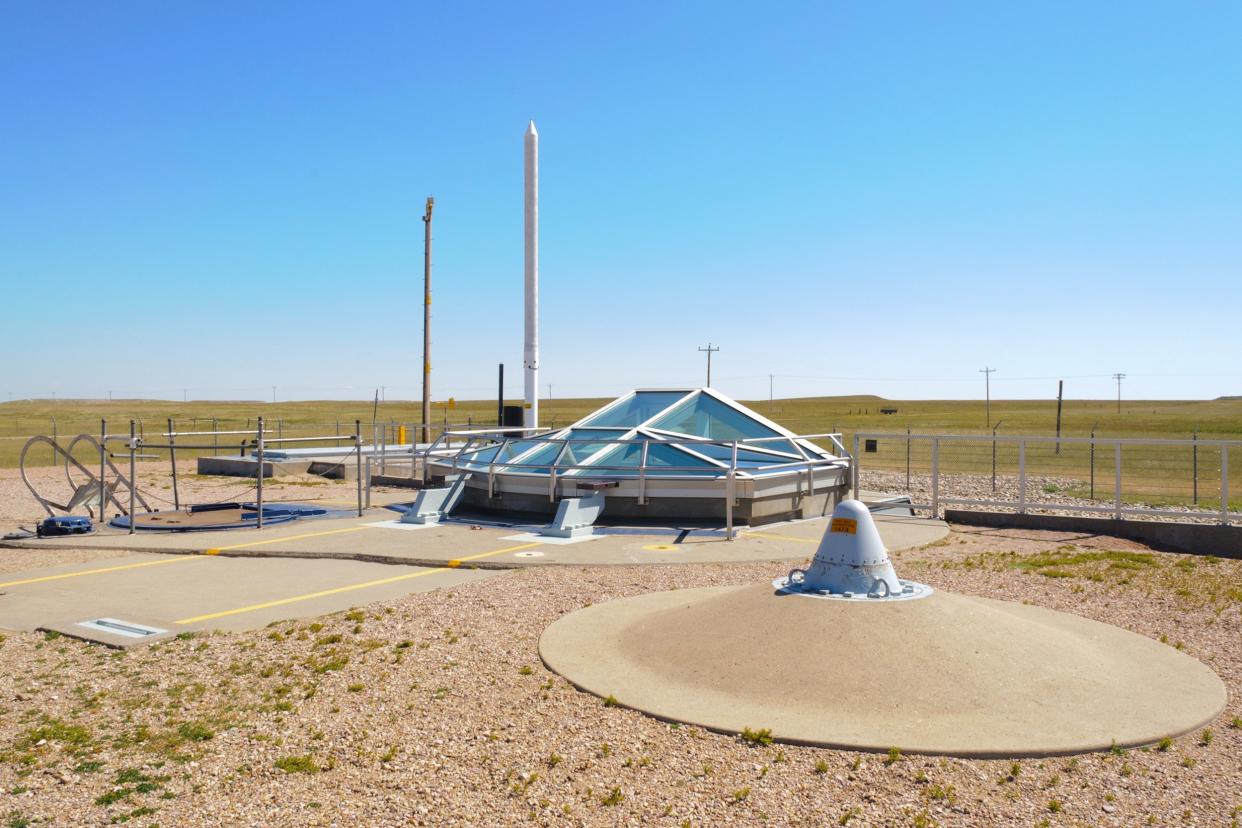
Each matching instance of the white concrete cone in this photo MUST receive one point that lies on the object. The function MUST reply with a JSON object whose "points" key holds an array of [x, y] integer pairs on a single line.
{"points": [[852, 557]]}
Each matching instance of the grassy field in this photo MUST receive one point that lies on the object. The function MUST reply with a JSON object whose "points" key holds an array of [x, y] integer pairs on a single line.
{"points": [[1156, 472]]}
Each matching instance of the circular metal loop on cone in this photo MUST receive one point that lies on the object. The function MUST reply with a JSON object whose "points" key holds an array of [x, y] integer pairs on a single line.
{"points": [[949, 674]]}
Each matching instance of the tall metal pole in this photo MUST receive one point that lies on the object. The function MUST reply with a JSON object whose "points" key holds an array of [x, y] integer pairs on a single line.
{"points": [[500, 396], [427, 320], [1119, 378], [987, 390], [530, 351]]}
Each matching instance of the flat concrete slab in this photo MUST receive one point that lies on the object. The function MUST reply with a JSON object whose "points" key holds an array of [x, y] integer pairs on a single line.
{"points": [[373, 538], [947, 674], [176, 594]]}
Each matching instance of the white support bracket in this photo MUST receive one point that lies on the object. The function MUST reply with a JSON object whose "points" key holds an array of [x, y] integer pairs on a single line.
{"points": [[433, 505], [575, 516]]}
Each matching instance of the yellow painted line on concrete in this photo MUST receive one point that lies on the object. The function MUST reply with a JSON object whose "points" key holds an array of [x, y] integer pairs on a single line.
{"points": [[780, 537], [338, 590], [456, 562], [100, 571], [217, 550]]}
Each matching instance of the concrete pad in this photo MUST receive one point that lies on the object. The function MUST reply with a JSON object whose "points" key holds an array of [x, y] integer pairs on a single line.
{"points": [[483, 545], [947, 674], [185, 593]]}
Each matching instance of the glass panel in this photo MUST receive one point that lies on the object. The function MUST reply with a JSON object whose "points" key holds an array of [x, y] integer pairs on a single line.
{"points": [[745, 457], [706, 416], [483, 455], [637, 409], [658, 455], [578, 452]]}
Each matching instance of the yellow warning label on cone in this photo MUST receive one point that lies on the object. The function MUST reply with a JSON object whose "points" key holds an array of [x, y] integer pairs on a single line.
{"points": [[847, 525]]}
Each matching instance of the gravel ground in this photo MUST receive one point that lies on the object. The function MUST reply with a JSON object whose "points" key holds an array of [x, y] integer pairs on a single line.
{"points": [[435, 710]]}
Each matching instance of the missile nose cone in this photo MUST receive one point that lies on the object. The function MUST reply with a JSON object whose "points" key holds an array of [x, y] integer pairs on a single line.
{"points": [[530, 129]]}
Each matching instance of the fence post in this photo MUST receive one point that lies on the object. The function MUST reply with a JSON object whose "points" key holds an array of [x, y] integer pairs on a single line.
{"points": [[1117, 481], [907, 458], [1194, 464], [1022, 477], [1224, 483], [215, 438], [935, 504], [368, 501]]}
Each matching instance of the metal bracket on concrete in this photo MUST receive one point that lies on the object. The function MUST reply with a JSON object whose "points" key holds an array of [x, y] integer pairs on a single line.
{"points": [[433, 505], [575, 516]]}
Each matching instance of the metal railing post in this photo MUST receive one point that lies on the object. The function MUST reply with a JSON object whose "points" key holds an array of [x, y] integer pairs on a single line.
{"points": [[935, 504], [103, 468], [729, 493], [133, 473], [258, 448], [642, 474], [1022, 477], [172, 459], [857, 465], [358, 460], [1117, 480], [368, 499]]}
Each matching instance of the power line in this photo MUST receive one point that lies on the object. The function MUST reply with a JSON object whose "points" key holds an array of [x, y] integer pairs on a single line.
{"points": [[1119, 377]]}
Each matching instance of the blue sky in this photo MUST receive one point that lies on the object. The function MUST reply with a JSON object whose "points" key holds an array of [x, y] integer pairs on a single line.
{"points": [[855, 197]]}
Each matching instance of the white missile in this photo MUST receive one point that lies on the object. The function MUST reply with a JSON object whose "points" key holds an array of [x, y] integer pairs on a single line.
{"points": [[530, 352]]}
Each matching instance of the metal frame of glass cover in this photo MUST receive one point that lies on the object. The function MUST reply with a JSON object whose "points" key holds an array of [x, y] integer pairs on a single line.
{"points": [[684, 433]]}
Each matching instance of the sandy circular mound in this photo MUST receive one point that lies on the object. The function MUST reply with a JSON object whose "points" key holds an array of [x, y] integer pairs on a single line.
{"points": [[947, 674]]}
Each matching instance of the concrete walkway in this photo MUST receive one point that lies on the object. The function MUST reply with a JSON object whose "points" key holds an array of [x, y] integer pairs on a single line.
{"points": [[177, 594], [376, 537]]}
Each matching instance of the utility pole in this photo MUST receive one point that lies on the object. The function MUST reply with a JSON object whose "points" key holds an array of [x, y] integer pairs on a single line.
{"points": [[771, 378], [549, 392], [1119, 378], [987, 388], [427, 320], [273, 393], [185, 394], [709, 350]]}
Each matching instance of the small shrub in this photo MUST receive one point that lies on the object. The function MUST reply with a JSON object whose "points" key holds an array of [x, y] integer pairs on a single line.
{"points": [[741, 794], [1164, 744], [1055, 806], [526, 670], [821, 767], [1205, 738], [614, 797], [298, 764], [894, 756], [761, 737], [195, 732]]}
